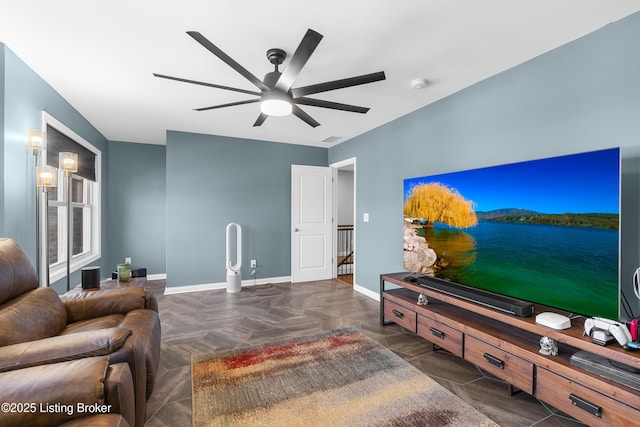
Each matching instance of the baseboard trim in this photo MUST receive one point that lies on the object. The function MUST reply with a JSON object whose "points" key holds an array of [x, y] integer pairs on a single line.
{"points": [[367, 292], [172, 290]]}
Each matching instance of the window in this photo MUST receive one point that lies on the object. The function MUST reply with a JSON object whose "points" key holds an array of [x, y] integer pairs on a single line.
{"points": [[85, 202]]}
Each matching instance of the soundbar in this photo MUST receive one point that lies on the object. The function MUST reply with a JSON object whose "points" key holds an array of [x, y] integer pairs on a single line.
{"points": [[493, 300]]}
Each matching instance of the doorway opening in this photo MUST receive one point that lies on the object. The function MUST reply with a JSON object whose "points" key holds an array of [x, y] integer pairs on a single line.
{"points": [[344, 206]]}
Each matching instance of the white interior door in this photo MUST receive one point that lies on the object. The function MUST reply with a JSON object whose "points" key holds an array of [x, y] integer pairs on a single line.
{"points": [[311, 223]]}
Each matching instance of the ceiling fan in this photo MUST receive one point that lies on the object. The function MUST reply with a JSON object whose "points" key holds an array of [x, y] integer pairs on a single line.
{"points": [[277, 97]]}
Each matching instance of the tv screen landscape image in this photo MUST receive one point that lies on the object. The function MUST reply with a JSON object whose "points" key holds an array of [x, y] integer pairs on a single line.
{"points": [[544, 231]]}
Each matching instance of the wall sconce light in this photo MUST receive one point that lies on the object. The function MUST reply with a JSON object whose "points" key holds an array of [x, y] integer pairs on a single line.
{"points": [[46, 177], [35, 141], [68, 162]]}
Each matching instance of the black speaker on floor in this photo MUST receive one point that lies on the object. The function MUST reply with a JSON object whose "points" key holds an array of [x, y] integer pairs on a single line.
{"points": [[90, 277]]}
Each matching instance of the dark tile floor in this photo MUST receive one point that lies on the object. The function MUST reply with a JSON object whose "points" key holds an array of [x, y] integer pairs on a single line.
{"points": [[205, 322]]}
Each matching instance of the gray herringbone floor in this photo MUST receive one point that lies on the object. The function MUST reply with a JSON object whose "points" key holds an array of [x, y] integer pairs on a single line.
{"points": [[205, 322]]}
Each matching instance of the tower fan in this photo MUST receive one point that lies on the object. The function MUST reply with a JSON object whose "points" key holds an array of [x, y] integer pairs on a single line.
{"points": [[234, 276]]}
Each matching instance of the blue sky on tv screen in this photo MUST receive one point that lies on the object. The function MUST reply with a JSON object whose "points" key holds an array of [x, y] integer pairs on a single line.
{"points": [[578, 183]]}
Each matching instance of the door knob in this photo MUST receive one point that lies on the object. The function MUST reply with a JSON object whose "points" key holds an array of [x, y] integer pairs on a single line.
{"points": [[296, 229]]}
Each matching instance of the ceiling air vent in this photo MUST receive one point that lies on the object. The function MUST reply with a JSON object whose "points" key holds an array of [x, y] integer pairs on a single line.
{"points": [[330, 139]]}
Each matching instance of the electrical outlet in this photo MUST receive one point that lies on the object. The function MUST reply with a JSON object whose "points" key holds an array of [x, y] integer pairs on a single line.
{"points": [[127, 260], [254, 263]]}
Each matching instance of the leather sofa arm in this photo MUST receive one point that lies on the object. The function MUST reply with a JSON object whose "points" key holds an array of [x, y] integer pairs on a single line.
{"points": [[62, 348], [50, 395], [151, 302], [89, 305], [119, 392], [132, 353]]}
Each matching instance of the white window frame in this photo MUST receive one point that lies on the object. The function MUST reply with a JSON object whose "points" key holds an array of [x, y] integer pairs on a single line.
{"points": [[92, 231]]}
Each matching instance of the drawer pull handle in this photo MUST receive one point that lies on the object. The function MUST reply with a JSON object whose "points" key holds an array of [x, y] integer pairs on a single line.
{"points": [[494, 361], [398, 314], [585, 405], [437, 333]]}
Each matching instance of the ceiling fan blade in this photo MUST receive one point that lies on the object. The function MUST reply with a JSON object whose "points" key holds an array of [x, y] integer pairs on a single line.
{"points": [[195, 82], [231, 104], [329, 104], [261, 118], [304, 117], [300, 57], [227, 59], [337, 84]]}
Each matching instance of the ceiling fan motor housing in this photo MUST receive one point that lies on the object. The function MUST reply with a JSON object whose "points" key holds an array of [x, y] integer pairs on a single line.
{"points": [[276, 56]]}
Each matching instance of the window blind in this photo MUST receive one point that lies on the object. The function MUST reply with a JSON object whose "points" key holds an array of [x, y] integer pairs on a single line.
{"points": [[58, 142]]}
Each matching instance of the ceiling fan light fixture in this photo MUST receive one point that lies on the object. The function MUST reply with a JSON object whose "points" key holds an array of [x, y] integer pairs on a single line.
{"points": [[275, 105]]}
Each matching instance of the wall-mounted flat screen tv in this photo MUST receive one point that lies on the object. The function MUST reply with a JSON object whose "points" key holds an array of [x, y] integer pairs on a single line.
{"points": [[544, 231]]}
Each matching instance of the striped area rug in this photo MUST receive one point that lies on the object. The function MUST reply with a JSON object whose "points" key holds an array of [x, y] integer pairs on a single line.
{"points": [[336, 378]]}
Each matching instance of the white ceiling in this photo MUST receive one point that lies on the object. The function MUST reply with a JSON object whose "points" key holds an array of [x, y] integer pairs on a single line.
{"points": [[100, 56]]}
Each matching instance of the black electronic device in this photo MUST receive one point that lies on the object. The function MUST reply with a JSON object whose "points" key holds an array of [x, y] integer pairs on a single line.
{"points": [[616, 371], [90, 277], [479, 296]]}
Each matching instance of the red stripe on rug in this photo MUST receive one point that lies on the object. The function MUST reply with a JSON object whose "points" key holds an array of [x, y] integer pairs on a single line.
{"points": [[285, 351]]}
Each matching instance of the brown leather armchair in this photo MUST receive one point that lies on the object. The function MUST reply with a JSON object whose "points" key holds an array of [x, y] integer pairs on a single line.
{"points": [[81, 392], [39, 327]]}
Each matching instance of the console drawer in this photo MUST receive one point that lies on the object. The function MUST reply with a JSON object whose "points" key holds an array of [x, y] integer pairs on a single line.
{"points": [[400, 315], [582, 402], [441, 335], [504, 365]]}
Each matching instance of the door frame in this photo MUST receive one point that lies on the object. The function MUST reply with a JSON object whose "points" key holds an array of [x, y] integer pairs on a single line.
{"points": [[335, 167]]}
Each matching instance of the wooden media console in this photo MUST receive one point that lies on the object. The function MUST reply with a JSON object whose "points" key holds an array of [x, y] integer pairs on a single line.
{"points": [[508, 347]]}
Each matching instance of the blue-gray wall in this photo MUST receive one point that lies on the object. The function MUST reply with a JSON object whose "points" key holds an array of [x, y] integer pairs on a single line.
{"points": [[136, 213], [214, 180], [580, 97], [25, 96]]}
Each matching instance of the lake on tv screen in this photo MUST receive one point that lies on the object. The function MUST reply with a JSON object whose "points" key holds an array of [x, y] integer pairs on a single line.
{"points": [[545, 231], [574, 268]]}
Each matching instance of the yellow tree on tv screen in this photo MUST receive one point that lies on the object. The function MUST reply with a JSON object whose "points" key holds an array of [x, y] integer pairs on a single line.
{"points": [[434, 202]]}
